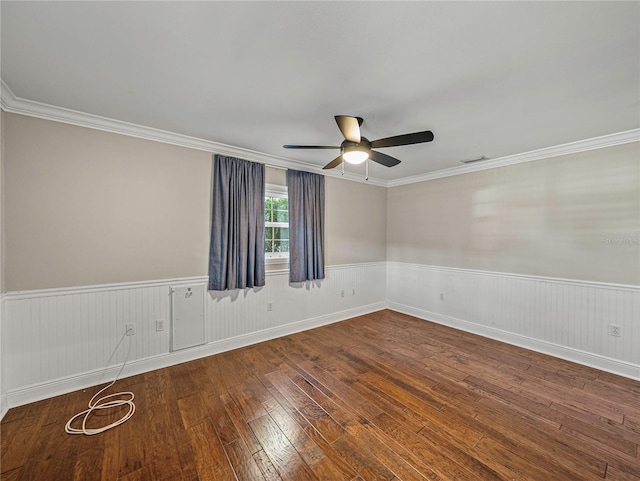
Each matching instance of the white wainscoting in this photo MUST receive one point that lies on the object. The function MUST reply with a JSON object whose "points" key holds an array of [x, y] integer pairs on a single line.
{"points": [[3, 398], [565, 318], [59, 340]]}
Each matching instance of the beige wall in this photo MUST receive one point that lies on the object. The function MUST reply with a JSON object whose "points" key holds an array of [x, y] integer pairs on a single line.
{"points": [[275, 176], [575, 216], [356, 222], [87, 207]]}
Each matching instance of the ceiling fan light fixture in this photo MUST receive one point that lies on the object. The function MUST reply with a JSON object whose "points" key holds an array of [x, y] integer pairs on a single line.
{"points": [[355, 154], [356, 149]]}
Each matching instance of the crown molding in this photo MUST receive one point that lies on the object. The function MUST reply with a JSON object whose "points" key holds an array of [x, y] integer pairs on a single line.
{"points": [[12, 104], [555, 151]]}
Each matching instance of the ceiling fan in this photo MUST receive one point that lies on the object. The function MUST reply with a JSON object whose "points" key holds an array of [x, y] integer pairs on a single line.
{"points": [[355, 148]]}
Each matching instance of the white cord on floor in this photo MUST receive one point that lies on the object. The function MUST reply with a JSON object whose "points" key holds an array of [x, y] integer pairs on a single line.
{"points": [[102, 403]]}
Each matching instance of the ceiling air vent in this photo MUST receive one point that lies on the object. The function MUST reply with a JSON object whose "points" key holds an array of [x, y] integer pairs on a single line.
{"points": [[471, 161]]}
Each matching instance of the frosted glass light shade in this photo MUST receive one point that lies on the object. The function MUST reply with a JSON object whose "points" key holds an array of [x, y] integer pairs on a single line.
{"points": [[355, 156]]}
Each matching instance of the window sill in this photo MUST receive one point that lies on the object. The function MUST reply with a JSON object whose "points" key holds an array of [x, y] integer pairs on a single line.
{"points": [[276, 260]]}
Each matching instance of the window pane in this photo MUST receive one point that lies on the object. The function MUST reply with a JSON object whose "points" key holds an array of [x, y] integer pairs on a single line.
{"points": [[281, 216], [276, 238]]}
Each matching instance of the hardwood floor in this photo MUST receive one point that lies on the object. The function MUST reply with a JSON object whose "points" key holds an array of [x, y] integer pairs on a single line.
{"points": [[380, 397]]}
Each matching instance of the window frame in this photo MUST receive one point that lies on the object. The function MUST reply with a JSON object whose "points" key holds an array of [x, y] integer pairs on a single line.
{"points": [[278, 191]]}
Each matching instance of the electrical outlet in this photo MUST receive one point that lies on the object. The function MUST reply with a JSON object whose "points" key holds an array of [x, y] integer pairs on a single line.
{"points": [[442, 296], [270, 306], [159, 325], [342, 293], [131, 329], [615, 330]]}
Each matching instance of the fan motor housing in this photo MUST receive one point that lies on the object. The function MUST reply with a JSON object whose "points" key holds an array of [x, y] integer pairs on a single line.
{"points": [[347, 145]]}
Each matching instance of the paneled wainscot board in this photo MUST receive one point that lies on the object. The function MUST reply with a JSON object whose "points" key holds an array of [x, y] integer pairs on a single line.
{"points": [[59, 340], [565, 318]]}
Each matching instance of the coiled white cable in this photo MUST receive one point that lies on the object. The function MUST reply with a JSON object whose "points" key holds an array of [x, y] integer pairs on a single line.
{"points": [[102, 403]]}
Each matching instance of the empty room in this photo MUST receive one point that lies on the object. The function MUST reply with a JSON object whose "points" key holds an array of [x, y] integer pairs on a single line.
{"points": [[342, 241]]}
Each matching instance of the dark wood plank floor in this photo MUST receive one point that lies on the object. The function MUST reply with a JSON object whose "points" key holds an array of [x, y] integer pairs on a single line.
{"points": [[379, 397]]}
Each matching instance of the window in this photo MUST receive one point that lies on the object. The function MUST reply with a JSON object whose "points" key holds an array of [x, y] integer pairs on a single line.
{"points": [[276, 223]]}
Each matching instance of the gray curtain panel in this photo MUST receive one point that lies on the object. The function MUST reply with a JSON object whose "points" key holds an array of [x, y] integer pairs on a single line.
{"points": [[236, 255], [306, 226]]}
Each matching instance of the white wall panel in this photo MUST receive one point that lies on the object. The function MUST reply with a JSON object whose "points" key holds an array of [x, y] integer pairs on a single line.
{"points": [[54, 334], [57, 340], [565, 318], [188, 318], [3, 401]]}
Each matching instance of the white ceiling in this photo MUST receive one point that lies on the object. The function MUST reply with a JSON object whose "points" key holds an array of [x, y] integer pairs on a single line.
{"points": [[488, 78]]}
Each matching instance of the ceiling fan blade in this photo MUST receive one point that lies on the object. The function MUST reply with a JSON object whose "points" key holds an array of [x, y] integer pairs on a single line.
{"points": [[311, 146], [350, 127], [406, 139], [383, 159], [334, 163]]}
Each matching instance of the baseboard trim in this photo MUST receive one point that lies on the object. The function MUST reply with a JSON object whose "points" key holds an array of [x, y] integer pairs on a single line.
{"points": [[40, 391], [621, 368], [4, 408]]}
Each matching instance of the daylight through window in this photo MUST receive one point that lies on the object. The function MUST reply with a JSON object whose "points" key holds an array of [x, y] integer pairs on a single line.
{"points": [[276, 222]]}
